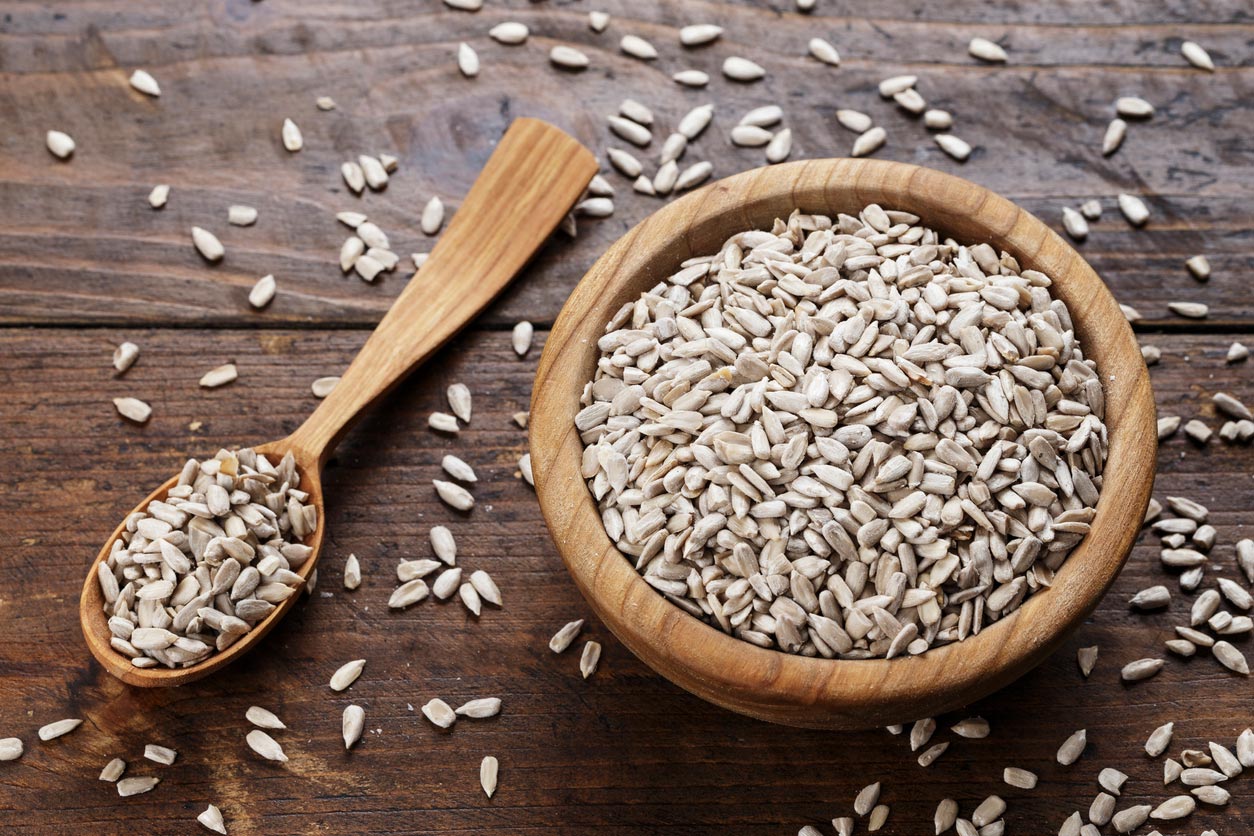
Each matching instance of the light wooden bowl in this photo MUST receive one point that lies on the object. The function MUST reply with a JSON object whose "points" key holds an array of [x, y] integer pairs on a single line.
{"points": [[816, 692]]}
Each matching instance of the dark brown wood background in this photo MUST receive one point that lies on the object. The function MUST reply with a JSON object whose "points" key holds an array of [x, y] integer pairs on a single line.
{"points": [[85, 264]]}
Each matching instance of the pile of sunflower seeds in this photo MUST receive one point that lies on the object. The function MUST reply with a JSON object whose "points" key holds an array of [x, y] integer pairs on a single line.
{"points": [[197, 570], [847, 438]]}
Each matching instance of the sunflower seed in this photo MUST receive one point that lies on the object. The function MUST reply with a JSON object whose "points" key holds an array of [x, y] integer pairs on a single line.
{"points": [[458, 469], [878, 816], [1198, 57], [263, 719], [510, 33], [241, 215], [1151, 598], [1245, 748], [1171, 770], [443, 422], [524, 467], [824, 51], [480, 708], [60, 144], [930, 755], [160, 754], [390, 163], [1133, 107], [691, 78], [368, 267], [694, 175], [1020, 778], [637, 47], [568, 57], [1159, 740], [563, 637], [1125, 821], [325, 103], [699, 33], [866, 799], [212, 819], [521, 338], [598, 21], [408, 594], [439, 713], [1113, 138], [589, 659], [1074, 223], [1199, 267], [443, 544], [855, 121], [973, 728], [488, 771], [742, 69], [263, 292], [953, 146], [60, 727], [142, 81], [666, 177], [207, 244], [1227, 762], [843, 827], [1231, 658], [124, 356], [486, 587], [266, 746], [1071, 749], [446, 583], [869, 142], [1195, 757], [777, 150], [136, 786], [626, 164], [11, 749], [467, 60], [292, 139], [110, 772], [986, 50], [946, 815], [352, 572], [347, 674], [1218, 796], [921, 732], [455, 496], [219, 376], [352, 724], [432, 218], [695, 121], [1087, 658], [990, 810], [595, 207], [323, 386], [159, 195], [1134, 209], [1176, 807], [354, 176]]}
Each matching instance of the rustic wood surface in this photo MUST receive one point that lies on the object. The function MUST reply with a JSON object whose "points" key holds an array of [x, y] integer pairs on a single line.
{"points": [[85, 263]]}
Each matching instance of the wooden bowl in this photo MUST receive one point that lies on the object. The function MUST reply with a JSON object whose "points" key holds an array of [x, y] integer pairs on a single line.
{"points": [[816, 692]]}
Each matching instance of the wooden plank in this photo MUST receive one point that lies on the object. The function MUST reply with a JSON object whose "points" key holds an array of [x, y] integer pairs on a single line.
{"points": [[79, 244], [621, 754]]}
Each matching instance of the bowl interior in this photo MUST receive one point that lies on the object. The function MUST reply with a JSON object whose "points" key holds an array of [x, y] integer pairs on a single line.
{"points": [[814, 691]]}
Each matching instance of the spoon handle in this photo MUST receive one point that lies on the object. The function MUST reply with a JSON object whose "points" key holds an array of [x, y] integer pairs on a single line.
{"points": [[530, 182]]}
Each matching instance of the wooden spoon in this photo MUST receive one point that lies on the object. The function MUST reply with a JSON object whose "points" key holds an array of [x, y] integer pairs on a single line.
{"points": [[528, 185]]}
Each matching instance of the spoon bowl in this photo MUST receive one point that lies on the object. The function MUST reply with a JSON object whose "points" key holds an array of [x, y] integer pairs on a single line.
{"points": [[529, 184], [788, 688]]}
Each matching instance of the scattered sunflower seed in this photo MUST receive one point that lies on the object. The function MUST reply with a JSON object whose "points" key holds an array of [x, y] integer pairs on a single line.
{"points": [[563, 637], [112, 770], [691, 78], [159, 195], [1197, 56], [589, 659], [990, 810], [241, 215], [467, 60], [439, 713], [1020, 778], [521, 338], [432, 217], [266, 746], [597, 21], [1133, 208], [160, 754], [455, 496], [480, 708], [292, 139], [1125, 821], [1071, 749], [524, 467], [855, 121], [824, 52], [219, 376], [742, 69], [1199, 267], [408, 594], [777, 150], [443, 422], [143, 81], [124, 356], [624, 162], [953, 146], [486, 587], [946, 815], [133, 409], [11, 749], [568, 57], [1151, 598], [699, 33], [1215, 795], [695, 121], [354, 176], [263, 292], [921, 732], [973, 728], [352, 724], [1074, 223], [1231, 658], [352, 572], [347, 674], [207, 244], [931, 754], [866, 799], [937, 120], [1113, 138], [986, 50], [263, 718], [1227, 762], [878, 817], [136, 786], [1192, 310], [869, 142], [1133, 107], [637, 47], [325, 103], [323, 386], [60, 144], [212, 819], [488, 772]]}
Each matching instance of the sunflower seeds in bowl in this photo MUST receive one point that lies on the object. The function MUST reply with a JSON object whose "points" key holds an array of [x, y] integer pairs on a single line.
{"points": [[845, 437]]}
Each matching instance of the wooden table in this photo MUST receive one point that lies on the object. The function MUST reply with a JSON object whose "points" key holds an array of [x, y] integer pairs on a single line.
{"points": [[85, 263]]}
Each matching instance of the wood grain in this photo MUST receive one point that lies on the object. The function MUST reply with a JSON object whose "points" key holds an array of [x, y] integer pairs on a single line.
{"points": [[624, 753], [80, 245]]}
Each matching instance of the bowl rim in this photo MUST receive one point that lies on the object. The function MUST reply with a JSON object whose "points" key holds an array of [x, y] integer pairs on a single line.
{"points": [[769, 683]]}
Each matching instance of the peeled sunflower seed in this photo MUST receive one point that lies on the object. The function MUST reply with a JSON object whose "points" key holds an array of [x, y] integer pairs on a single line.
{"points": [[637, 47], [986, 50], [11, 749], [373, 172], [489, 769], [352, 724], [219, 376], [263, 719], [866, 799], [446, 583], [563, 637], [1197, 56], [124, 356], [937, 120], [143, 81], [212, 819], [1133, 107], [510, 33], [458, 469], [695, 121], [1134, 209], [241, 215], [443, 422], [136, 786], [521, 338], [347, 674], [408, 594], [1071, 749], [454, 495], [353, 176], [699, 33], [292, 139], [352, 572], [524, 467], [60, 144], [589, 659], [953, 146], [159, 195], [568, 57], [1113, 138], [486, 587], [262, 292], [439, 713], [597, 21], [1159, 740], [467, 60], [1087, 658], [207, 244], [824, 51], [855, 121], [869, 142], [742, 69], [459, 401], [265, 745], [974, 728], [323, 386]]}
